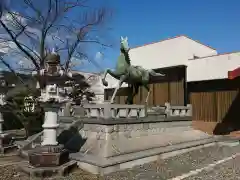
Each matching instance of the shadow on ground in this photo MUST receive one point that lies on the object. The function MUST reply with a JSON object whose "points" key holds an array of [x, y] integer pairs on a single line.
{"points": [[71, 139]]}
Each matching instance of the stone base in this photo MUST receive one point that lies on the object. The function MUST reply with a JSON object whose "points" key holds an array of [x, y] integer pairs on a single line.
{"points": [[104, 166], [112, 147], [108, 141], [48, 156], [47, 171]]}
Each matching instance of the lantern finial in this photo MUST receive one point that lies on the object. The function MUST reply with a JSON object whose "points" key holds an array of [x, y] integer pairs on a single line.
{"points": [[53, 51]]}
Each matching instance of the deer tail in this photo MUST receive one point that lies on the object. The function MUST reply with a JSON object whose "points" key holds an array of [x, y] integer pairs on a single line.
{"points": [[153, 73]]}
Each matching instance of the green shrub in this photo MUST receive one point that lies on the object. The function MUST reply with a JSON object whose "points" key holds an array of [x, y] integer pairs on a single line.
{"points": [[14, 115]]}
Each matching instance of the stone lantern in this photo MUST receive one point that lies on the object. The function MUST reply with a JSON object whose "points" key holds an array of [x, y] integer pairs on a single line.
{"points": [[50, 154]]}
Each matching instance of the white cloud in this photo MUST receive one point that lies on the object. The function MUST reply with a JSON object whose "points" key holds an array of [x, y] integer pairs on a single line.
{"points": [[99, 56]]}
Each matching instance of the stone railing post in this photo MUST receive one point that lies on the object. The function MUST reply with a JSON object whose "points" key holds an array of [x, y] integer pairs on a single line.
{"points": [[178, 111], [168, 109], [107, 112]]}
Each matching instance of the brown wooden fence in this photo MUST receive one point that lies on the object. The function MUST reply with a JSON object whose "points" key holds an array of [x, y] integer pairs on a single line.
{"points": [[212, 106], [172, 92], [215, 101]]}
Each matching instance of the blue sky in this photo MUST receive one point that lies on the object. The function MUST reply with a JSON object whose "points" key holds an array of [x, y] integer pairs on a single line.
{"points": [[212, 22]]}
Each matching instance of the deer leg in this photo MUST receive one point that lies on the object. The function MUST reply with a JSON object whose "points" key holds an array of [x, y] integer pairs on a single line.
{"points": [[134, 92], [122, 78], [112, 73], [105, 83], [130, 92], [148, 89], [136, 87]]}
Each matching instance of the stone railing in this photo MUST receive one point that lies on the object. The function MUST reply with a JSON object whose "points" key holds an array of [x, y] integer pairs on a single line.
{"points": [[181, 111], [115, 111], [107, 111]]}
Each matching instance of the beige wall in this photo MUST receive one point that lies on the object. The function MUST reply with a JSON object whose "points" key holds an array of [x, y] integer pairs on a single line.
{"points": [[197, 49], [172, 52], [214, 67]]}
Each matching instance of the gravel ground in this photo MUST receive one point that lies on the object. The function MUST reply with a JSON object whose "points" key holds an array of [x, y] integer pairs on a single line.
{"points": [[163, 170], [177, 165], [227, 171]]}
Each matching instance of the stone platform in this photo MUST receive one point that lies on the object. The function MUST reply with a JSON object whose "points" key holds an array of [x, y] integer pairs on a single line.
{"points": [[122, 136], [116, 144]]}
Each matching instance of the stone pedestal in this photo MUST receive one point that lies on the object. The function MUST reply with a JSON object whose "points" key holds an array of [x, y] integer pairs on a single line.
{"points": [[50, 158], [49, 153], [116, 144]]}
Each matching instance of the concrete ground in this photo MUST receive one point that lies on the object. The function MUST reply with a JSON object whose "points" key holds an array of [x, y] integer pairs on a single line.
{"points": [[210, 163]]}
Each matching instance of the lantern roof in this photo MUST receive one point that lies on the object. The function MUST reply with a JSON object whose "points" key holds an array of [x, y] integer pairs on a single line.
{"points": [[53, 57]]}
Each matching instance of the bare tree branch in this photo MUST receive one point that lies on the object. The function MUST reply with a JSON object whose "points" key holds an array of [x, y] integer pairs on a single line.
{"points": [[35, 26], [14, 39], [92, 19]]}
